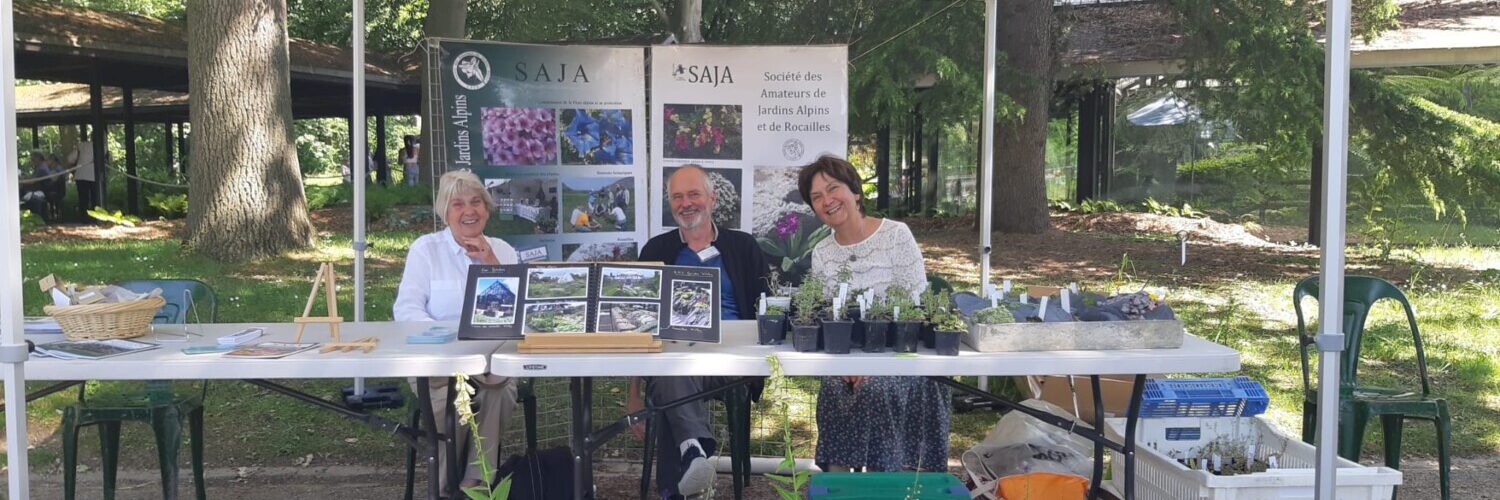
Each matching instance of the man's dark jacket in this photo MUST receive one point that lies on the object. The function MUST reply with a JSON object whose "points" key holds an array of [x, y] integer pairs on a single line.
{"points": [[741, 255]]}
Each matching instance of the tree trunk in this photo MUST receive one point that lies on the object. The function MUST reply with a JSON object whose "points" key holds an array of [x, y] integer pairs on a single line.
{"points": [[246, 192], [1025, 39], [689, 22], [445, 18]]}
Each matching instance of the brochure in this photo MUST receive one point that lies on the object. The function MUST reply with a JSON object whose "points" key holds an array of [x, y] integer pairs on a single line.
{"points": [[92, 349], [512, 301], [269, 350]]}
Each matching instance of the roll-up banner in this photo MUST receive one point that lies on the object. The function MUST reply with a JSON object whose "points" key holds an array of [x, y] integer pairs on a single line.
{"points": [[557, 134], [751, 117]]}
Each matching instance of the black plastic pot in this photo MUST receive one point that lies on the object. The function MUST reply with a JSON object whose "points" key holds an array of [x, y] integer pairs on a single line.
{"points": [[928, 339], [908, 335], [772, 328], [805, 338], [857, 338], [836, 336], [876, 331], [947, 342]]}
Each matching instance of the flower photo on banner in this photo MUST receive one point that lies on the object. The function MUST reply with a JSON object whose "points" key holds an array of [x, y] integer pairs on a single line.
{"points": [[784, 226], [596, 137], [703, 131], [519, 136]]}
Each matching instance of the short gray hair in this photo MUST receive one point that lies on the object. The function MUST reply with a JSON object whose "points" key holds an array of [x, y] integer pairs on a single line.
{"points": [[708, 184], [453, 183]]}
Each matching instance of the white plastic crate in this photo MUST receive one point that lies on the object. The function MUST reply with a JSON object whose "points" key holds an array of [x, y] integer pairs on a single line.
{"points": [[1160, 477]]}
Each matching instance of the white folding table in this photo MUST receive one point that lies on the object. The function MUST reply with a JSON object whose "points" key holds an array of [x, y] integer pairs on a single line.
{"points": [[739, 356], [392, 358]]}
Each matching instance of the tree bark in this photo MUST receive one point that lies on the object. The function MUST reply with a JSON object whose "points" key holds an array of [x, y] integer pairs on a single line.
{"points": [[1020, 184], [689, 22], [447, 19], [246, 192]]}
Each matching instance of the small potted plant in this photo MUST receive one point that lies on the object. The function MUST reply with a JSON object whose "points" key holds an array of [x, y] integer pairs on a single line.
{"points": [[949, 329], [838, 331], [780, 291], [807, 303], [772, 325], [931, 302], [877, 322], [906, 334]]}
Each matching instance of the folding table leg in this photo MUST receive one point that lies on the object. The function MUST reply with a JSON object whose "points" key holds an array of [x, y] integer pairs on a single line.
{"points": [[1096, 486], [429, 423], [1132, 416], [581, 391]]}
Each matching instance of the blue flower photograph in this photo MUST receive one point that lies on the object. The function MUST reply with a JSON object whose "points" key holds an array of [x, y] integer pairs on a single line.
{"points": [[596, 137]]}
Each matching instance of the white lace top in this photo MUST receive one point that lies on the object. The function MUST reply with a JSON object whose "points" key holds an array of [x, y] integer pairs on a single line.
{"points": [[888, 256]]}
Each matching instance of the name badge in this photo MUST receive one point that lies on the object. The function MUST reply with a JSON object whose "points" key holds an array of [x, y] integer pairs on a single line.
{"points": [[708, 253]]}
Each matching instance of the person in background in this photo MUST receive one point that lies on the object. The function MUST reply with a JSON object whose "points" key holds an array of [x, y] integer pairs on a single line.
{"points": [[742, 278], [57, 187], [408, 156], [872, 423], [432, 289], [82, 160], [34, 189]]}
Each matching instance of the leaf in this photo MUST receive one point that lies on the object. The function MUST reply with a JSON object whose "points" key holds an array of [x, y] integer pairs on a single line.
{"points": [[787, 263], [502, 491], [477, 493], [779, 478], [770, 248]]}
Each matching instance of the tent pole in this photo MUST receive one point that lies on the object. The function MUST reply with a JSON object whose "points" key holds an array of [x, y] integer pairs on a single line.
{"points": [[13, 351], [1330, 338], [987, 152], [358, 159]]}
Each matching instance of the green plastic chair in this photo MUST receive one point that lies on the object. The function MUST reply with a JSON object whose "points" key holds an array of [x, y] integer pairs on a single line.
{"points": [[1358, 403], [158, 405]]}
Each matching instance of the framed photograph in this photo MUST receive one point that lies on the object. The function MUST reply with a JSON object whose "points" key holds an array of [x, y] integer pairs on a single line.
{"points": [[629, 283], [557, 282], [568, 316], [692, 304], [629, 317], [495, 301]]}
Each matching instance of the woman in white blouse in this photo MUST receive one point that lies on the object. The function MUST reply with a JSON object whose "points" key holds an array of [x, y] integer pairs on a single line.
{"points": [[871, 423], [432, 289]]}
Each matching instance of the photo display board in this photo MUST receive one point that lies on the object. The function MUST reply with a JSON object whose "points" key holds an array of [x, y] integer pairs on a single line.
{"points": [[752, 116], [513, 301], [557, 134]]}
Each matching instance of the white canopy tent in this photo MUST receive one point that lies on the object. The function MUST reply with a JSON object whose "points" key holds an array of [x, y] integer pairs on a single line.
{"points": [[13, 352]]}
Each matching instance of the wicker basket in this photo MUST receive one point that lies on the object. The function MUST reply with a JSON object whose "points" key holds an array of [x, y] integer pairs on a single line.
{"points": [[115, 320]]}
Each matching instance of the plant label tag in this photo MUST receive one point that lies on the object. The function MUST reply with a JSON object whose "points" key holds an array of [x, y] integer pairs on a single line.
{"points": [[1005, 288], [916, 297], [762, 310], [1073, 287], [843, 291], [708, 253], [1025, 299], [989, 290], [994, 301], [1041, 310], [1067, 301], [896, 313], [60, 298], [1184, 252]]}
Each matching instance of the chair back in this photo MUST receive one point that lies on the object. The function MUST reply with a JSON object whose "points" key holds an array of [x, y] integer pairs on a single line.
{"points": [[1360, 294], [182, 296]]}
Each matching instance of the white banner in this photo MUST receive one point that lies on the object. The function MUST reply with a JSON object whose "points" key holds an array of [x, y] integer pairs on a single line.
{"points": [[751, 116], [556, 133]]}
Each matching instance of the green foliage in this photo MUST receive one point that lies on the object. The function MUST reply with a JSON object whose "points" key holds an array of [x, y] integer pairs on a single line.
{"points": [[115, 217], [1155, 207], [808, 301], [997, 315], [319, 197], [1100, 206], [880, 310], [171, 206], [775, 310], [31, 222], [788, 486]]}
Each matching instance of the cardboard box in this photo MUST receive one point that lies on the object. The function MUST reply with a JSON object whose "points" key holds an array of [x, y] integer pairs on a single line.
{"points": [[1114, 389]]}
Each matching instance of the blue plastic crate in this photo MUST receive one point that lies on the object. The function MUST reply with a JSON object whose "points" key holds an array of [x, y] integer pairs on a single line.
{"points": [[1203, 397]]}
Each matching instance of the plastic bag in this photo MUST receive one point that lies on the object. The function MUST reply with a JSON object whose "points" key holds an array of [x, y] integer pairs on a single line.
{"points": [[1021, 444]]}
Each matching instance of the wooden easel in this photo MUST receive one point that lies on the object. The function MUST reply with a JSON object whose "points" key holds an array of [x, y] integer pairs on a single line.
{"points": [[327, 279], [565, 343]]}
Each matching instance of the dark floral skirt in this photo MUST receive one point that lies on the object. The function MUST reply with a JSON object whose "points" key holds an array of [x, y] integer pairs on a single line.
{"points": [[886, 424]]}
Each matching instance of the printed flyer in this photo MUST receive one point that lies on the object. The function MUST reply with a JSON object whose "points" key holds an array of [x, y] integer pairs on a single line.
{"points": [[751, 117], [557, 133]]}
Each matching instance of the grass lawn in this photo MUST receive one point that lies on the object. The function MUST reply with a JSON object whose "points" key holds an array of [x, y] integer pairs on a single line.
{"points": [[1233, 295]]}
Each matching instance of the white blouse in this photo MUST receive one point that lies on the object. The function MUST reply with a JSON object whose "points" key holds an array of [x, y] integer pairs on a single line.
{"points": [[432, 286], [889, 255]]}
